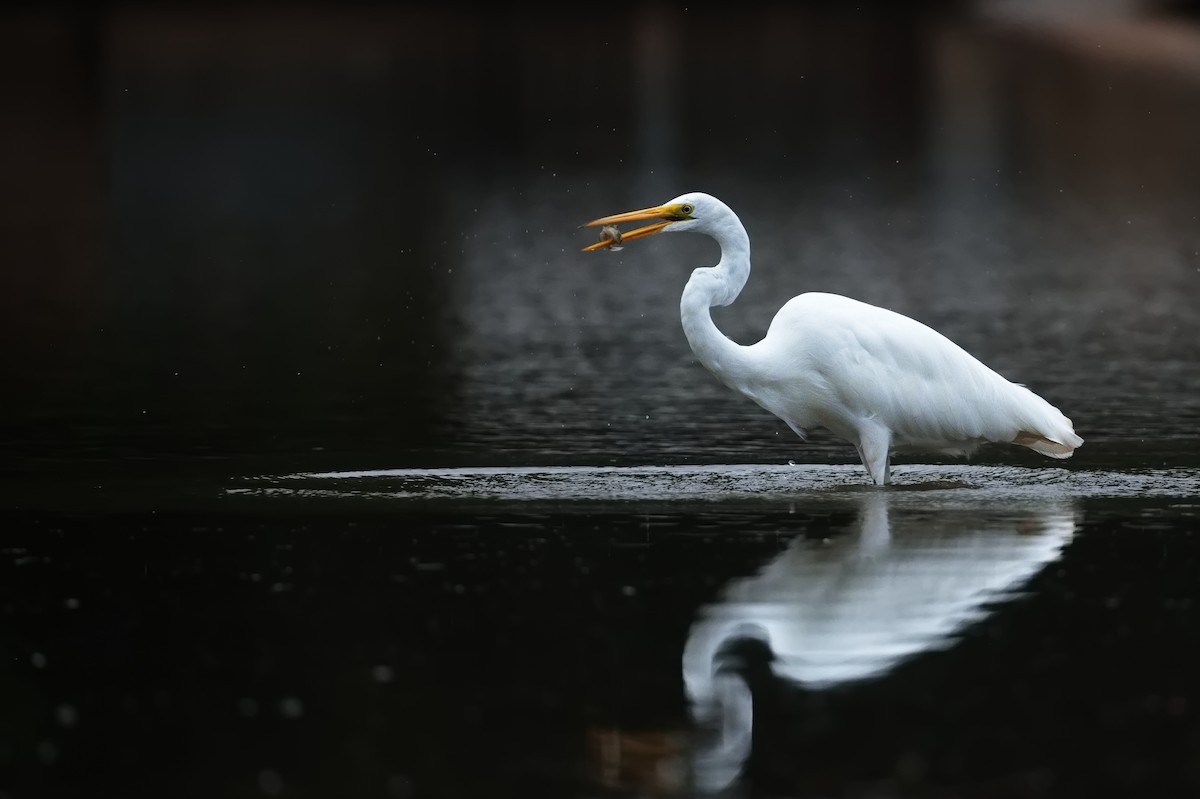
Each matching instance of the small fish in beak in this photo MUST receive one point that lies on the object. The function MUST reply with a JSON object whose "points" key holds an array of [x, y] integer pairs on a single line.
{"points": [[610, 238]]}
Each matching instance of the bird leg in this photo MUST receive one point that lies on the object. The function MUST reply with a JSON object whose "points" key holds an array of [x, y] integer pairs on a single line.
{"points": [[874, 441]]}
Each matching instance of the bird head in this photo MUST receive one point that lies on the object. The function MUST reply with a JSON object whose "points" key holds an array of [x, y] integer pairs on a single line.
{"points": [[688, 212]]}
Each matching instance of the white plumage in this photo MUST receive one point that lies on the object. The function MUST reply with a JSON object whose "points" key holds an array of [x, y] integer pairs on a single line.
{"points": [[874, 377]]}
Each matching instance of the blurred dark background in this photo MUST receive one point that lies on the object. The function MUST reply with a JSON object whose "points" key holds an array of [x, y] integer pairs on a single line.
{"points": [[345, 234]]}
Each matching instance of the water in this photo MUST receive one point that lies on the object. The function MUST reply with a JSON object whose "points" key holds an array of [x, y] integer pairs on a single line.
{"points": [[713, 483], [769, 630], [332, 468]]}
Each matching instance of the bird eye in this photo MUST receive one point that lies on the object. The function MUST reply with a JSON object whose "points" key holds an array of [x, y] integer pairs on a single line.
{"points": [[687, 209]]}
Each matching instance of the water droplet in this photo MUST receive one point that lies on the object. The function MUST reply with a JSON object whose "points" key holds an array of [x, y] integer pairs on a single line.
{"points": [[291, 707], [270, 782], [67, 716], [400, 787], [47, 752]]}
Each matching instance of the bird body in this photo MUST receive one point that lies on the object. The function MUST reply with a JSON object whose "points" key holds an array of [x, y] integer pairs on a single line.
{"points": [[874, 377], [859, 362]]}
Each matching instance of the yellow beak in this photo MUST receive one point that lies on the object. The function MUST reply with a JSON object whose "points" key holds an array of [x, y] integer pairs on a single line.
{"points": [[669, 213]]}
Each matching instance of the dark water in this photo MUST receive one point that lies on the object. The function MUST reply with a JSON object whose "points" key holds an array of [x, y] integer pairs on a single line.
{"points": [[332, 468], [979, 631]]}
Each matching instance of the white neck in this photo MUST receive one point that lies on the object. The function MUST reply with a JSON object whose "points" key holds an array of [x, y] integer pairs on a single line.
{"points": [[717, 285]]}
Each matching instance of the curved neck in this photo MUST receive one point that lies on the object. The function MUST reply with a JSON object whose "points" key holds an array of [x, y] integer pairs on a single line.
{"points": [[717, 285]]}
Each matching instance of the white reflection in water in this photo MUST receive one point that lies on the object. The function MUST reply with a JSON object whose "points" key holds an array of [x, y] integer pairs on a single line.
{"points": [[853, 607]]}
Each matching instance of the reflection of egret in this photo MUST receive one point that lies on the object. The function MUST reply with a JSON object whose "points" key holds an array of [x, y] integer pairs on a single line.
{"points": [[851, 608], [871, 376]]}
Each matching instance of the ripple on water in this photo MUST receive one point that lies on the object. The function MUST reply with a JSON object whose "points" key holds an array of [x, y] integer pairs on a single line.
{"points": [[941, 485]]}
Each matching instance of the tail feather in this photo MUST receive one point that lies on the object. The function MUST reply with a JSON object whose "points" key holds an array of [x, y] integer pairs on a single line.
{"points": [[1042, 427], [1048, 446]]}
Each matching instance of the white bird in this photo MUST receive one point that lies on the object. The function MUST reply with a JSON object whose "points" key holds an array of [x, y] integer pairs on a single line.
{"points": [[876, 378]]}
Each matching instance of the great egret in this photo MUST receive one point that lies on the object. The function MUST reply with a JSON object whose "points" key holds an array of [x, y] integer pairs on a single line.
{"points": [[874, 377]]}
